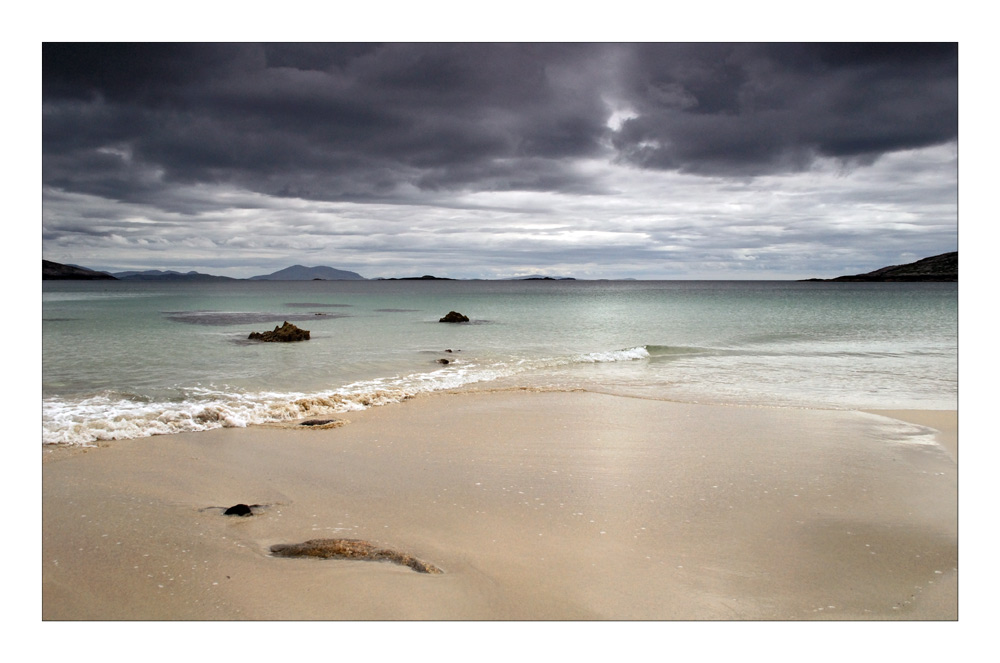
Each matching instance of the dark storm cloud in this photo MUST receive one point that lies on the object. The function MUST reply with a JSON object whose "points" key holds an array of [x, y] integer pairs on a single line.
{"points": [[325, 121], [752, 109], [364, 121]]}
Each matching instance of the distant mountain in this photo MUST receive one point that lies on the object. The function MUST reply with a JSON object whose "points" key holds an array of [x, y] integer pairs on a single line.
{"points": [[169, 275], [301, 273], [943, 267], [53, 271]]}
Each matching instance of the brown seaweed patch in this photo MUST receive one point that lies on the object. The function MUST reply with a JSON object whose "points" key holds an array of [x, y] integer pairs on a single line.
{"points": [[351, 549], [322, 424]]}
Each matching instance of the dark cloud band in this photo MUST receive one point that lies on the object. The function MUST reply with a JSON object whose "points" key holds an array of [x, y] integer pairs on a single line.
{"points": [[360, 121]]}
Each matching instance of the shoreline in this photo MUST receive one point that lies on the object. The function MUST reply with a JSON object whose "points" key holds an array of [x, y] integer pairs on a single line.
{"points": [[943, 422], [535, 504]]}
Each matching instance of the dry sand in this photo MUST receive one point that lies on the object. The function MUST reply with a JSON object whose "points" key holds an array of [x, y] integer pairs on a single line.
{"points": [[567, 506]]}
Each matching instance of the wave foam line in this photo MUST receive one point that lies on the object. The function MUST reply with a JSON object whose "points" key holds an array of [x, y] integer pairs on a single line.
{"points": [[629, 354], [115, 416], [118, 416]]}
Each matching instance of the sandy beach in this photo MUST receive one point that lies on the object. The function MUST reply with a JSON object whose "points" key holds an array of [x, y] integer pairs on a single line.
{"points": [[534, 505]]}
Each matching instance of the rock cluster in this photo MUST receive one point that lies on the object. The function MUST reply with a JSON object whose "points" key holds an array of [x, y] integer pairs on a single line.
{"points": [[286, 333], [454, 316]]}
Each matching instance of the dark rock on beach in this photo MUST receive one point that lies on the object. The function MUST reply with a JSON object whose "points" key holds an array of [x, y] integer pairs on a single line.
{"points": [[454, 316], [238, 510], [350, 549], [286, 333]]}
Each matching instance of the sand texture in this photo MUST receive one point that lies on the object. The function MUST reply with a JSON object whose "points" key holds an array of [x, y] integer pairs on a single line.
{"points": [[567, 506]]}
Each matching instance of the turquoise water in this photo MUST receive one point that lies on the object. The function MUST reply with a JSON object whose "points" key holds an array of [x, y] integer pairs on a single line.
{"points": [[128, 359]]}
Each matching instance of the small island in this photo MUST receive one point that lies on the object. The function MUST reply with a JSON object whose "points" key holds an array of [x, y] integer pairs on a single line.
{"points": [[425, 277]]}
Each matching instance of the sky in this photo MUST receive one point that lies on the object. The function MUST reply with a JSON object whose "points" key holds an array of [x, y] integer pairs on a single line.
{"points": [[694, 160]]}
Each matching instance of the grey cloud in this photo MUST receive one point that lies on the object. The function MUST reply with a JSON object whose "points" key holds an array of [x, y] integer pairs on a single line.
{"points": [[369, 120], [755, 109]]}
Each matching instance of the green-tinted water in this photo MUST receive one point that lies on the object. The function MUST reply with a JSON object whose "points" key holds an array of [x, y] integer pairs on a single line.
{"points": [[126, 359]]}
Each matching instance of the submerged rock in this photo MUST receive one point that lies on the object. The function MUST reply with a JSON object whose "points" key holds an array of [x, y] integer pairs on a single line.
{"points": [[350, 549], [454, 316], [286, 333], [443, 361], [238, 510]]}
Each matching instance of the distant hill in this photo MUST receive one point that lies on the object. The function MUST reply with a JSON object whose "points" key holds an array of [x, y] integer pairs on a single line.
{"points": [[943, 267], [540, 277], [301, 273], [54, 271], [425, 277], [169, 275]]}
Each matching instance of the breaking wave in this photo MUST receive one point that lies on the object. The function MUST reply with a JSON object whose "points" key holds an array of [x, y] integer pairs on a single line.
{"points": [[114, 415], [640, 352]]}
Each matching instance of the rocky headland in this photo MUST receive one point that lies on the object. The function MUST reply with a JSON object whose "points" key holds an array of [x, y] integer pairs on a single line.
{"points": [[942, 267], [54, 271]]}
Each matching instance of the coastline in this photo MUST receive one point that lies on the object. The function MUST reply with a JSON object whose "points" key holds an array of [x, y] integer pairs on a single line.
{"points": [[536, 505], [944, 422]]}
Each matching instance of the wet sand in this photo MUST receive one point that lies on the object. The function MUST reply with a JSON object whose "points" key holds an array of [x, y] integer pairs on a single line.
{"points": [[555, 506]]}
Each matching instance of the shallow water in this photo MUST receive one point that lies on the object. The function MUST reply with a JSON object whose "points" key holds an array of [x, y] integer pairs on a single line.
{"points": [[131, 359]]}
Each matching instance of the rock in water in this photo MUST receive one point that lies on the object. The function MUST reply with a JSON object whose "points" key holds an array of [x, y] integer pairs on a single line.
{"points": [[350, 549], [238, 510], [286, 333], [454, 316]]}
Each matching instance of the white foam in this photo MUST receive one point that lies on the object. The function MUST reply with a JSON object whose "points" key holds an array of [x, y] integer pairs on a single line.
{"points": [[116, 416], [106, 417], [615, 355], [111, 416]]}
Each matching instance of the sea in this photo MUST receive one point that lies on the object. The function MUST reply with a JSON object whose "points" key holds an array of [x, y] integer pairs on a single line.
{"points": [[132, 359]]}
